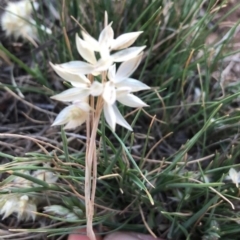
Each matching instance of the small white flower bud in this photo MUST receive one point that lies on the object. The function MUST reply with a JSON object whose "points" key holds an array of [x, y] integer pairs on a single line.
{"points": [[59, 210]]}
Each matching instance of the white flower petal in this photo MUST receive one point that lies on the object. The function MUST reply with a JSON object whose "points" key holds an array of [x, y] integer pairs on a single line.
{"points": [[109, 93], [72, 115], [133, 84], [96, 89], [73, 78], [127, 68], [35, 5], [72, 94], [234, 176], [127, 54], [112, 73], [105, 41], [85, 50], [79, 85], [131, 100], [105, 53], [95, 73], [122, 92], [78, 67], [125, 40], [109, 115], [103, 64], [75, 123], [83, 105], [91, 41], [63, 116], [9, 207], [120, 119], [45, 29]]}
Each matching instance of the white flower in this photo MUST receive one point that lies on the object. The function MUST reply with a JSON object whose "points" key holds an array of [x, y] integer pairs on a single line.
{"points": [[73, 115], [111, 112], [121, 77], [77, 113], [104, 45], [234, 176], [19, 204], [124, 86], [120, 88], [82, 87], [17, 20], [113, 117]]}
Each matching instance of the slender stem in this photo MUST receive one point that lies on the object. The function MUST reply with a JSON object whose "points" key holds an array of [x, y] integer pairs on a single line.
{"points": [[88, 171], [91, 159], [90, 184], [99, 107]]}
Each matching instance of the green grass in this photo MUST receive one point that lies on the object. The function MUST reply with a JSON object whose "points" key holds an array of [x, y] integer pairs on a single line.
{"points": [[184, 149]]}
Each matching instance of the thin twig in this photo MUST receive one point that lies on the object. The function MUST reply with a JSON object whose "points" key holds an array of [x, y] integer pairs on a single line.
{"points": [[146, 224], [26, 102], [214, 190]]}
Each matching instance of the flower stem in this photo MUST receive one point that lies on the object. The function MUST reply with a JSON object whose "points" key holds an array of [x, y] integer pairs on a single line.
{"points": [[91, 165]]}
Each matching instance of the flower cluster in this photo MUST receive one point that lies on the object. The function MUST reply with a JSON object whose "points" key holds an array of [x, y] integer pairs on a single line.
{"points": [[17, 20], [24, 205], [116, 84]]}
